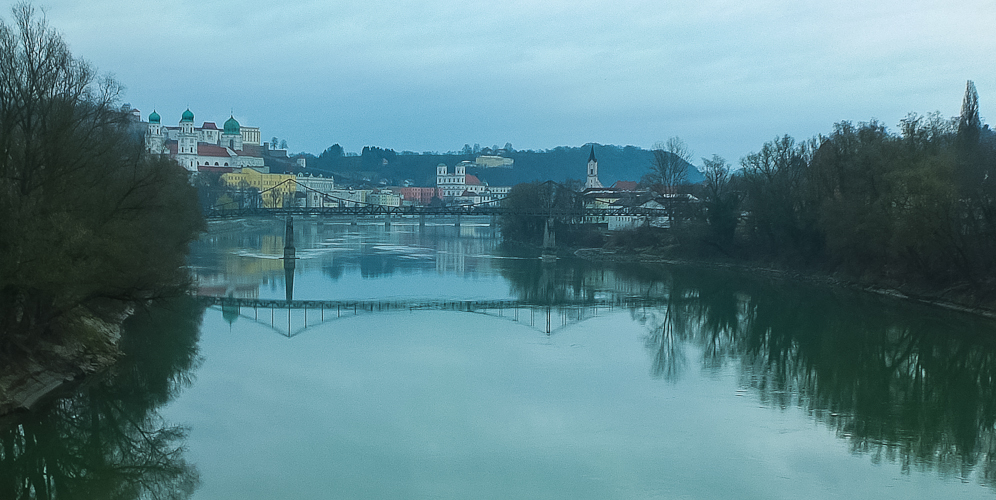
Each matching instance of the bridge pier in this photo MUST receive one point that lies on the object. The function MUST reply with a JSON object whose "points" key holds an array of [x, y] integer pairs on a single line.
{"points": [[421, 219], [457, 221], [290, 260], [387, 220], [549, 240], [290, 253], [353, 222]]}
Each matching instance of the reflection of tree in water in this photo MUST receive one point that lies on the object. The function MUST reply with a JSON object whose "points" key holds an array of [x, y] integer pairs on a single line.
{"points": [[534, 281], [107, 441], [900, 383], [373, 265]]}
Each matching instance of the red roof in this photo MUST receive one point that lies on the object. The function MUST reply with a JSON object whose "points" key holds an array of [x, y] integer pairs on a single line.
{"points": [[625, 185], [472, 180], [205, 149]]}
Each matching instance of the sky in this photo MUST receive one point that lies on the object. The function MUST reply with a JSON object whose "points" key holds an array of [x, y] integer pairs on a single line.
{"points": [[723, 75]]}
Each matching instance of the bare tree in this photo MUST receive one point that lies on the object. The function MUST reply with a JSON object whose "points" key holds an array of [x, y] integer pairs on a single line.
{"points": [[668, 170], [86, 213]]}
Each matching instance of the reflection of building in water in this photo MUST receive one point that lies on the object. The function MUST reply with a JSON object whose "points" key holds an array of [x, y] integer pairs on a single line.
{"points": [[450, 257], [465, 254], [241, 275]]}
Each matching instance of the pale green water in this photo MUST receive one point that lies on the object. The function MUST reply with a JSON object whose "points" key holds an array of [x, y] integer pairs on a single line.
{"points": [[727, 387]]}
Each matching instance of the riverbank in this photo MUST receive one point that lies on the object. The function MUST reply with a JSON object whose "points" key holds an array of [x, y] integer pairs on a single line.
{"points": [[971, 305], [52, 364]]}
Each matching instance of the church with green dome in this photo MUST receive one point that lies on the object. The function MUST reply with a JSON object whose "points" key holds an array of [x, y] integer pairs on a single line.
{"points": [[205, 148]]}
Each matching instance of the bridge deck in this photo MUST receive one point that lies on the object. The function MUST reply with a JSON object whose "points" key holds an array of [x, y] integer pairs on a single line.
{"points": [[412, 211]]}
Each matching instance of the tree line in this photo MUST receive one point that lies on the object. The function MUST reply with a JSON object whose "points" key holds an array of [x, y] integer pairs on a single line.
{"points": [[915, 207]]}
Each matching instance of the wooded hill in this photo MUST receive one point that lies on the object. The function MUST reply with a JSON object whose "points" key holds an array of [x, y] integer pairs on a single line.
{"points": [[615, 163]]}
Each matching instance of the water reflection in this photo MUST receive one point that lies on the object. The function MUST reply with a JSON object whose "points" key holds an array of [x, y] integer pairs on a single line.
{"points": [[900, 383], [243, 258], [107, 440]]}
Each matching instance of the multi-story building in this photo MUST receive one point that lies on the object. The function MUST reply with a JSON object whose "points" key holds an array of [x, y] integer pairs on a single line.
{"points": [[316, 190], [460, 182], [275, 190], [384, 197], [419, 195], [205, 146]]}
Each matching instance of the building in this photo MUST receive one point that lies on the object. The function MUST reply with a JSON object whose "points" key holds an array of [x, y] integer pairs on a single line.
{"points": [[315, 190], [419, 195], [194, 147], [460, 182], [592, 181], [275, 190], [384, 197], [494, 162]]}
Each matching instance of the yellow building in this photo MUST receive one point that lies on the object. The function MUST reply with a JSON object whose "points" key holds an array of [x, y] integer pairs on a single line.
{"points": [[276, 190]]}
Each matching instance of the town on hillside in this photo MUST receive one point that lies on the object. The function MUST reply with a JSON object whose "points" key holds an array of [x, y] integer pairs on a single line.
{"points": [[235, 169]]}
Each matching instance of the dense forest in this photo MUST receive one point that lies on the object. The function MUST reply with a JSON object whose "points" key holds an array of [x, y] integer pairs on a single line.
{"points": [[915, 207], [373, 164]]}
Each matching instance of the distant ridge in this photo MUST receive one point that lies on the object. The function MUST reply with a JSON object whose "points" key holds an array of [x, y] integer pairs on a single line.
{"points": [[615, 163]]}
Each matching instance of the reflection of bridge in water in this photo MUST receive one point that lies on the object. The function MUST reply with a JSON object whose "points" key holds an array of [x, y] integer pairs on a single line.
{"points": [[547, 318]]}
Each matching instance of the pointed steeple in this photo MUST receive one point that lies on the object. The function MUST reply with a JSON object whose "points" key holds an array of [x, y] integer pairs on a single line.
{"points": [[592, 181]]}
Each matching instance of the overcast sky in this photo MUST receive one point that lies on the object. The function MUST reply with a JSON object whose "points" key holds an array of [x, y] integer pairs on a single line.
{"points": [[432, 75]]}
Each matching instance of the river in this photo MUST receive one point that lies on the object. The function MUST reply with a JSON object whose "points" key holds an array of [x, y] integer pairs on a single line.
{"points": [[424, 362]]}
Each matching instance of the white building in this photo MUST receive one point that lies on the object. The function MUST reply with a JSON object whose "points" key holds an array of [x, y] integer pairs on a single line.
{"points": [[204, 147], [460, 183], [494, 162], [592, 181], [316, 190]]}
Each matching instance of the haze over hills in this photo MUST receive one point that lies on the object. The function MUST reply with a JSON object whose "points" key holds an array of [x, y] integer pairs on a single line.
{"points": [[615, 163]]}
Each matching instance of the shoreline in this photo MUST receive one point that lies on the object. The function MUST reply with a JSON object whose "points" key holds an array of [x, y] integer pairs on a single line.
{"points": [[810, 277], [52, 366]]}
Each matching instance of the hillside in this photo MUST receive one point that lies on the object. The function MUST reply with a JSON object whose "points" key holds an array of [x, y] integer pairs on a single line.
{"points": [[615, 163]]}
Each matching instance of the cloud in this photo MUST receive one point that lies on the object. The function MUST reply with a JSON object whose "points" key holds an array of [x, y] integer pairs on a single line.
{"points": [[724, 75]]}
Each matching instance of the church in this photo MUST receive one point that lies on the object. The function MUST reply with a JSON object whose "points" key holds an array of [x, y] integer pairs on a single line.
{"points": [[205, 148]]}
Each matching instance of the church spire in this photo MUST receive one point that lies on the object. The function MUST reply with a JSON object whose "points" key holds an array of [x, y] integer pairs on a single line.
{"points": [[592, 181]]}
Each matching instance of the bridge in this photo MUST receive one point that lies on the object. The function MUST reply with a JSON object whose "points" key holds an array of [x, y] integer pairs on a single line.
{"points": [[482, 209], [572, 207], [567, 312]]}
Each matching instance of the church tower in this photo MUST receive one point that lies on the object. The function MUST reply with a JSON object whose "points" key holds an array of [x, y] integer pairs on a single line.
{"points": [[231, 137], [592, 181], [155, 139], [186, 147]]}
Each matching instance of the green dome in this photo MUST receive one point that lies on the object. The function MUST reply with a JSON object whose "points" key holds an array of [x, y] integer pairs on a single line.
{"points": [[154, 117], [231, 126], [187, 116]]}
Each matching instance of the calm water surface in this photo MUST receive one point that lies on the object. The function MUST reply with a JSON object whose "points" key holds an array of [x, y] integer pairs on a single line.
{"points": [[582, 381]]}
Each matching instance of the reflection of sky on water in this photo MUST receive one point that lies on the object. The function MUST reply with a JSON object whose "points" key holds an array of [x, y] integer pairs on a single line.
{"points": [[726, 387], [449, 405], [337, 261]]}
